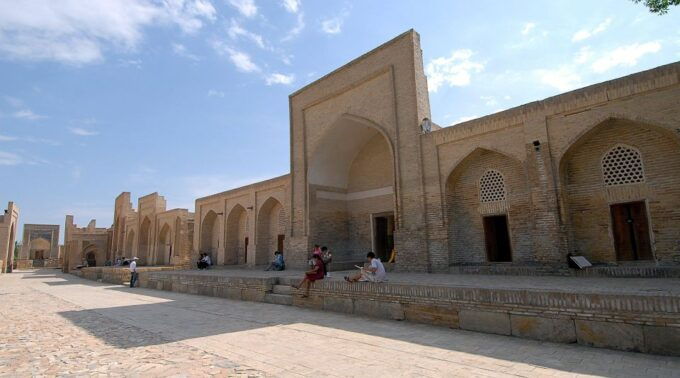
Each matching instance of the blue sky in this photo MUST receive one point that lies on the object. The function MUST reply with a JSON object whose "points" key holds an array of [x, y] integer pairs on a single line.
{"points": [[190, 97]]}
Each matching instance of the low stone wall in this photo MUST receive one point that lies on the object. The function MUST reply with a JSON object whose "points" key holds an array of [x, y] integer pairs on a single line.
{"points": [[44, 263], [596, 271], [116, 275], [644, 323]]}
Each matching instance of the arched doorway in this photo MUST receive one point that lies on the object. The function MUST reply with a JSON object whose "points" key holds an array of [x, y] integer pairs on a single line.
{"points": [[210, 237], [271, 230], [90, 255], [237, 232], [488, 210], [164, 252], [144, 249], [614, 182], [352, 190], [91, 259], [130, 243], [40, 249]]}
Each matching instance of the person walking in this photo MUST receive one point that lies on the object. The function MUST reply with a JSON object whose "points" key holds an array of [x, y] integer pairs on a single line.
{"points": [[133, 272]]}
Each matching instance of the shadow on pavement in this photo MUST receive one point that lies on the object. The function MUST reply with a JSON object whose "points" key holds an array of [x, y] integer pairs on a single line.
{"points": [[183, 316]]}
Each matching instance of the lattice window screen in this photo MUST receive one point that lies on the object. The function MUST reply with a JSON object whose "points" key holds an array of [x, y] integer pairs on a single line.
{"points": [[491, 186], [622, 165]]}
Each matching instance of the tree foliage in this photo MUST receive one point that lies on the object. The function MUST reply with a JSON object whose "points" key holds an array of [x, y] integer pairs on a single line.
{"points": [[658, 6]]}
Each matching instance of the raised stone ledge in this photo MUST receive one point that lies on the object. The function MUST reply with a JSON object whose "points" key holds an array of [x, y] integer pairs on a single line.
{"points": [[593, 317], [116, 275]]}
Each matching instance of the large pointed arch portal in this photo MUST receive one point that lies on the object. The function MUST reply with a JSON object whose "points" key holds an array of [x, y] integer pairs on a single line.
{"points": [[352, 190]]}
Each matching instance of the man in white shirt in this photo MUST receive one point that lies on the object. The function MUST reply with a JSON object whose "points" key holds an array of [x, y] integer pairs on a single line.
{"points": [[133, 272], [374, 273]]}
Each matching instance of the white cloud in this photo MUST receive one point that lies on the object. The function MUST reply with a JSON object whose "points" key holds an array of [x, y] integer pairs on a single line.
{"points": [[8, 158], [528, 27], [624, 56], [50, 142], [82, 132], [583, 55], [76, 32], [6, 138], [277, 78], [240, 59], [297, 29], [292, 6], [586, 33], [189, 15], [137, 63], [332, 25], [235, 31], [456, 70], [215, 93], [245, 7], [181, 50], [489, 100], [563, 78], [27, 114]]}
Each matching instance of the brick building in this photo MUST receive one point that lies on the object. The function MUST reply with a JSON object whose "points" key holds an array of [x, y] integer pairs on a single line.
{"points": [[9, 222], [593, 172], [156, 235]]}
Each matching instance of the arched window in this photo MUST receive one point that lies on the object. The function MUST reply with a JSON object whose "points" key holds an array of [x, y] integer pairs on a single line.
{"points": [[622, 165], [491, 186]]}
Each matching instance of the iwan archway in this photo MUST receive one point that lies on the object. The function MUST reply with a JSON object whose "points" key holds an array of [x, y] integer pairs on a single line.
{"points": [[351, 190]]}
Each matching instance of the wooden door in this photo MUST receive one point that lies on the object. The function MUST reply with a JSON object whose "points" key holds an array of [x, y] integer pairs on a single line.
{"points": [[630, 227], [245, 250], [279, 243], [497, 239]]}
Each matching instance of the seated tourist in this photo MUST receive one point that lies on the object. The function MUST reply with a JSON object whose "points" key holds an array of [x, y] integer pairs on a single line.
{"points": [[208, 261], [316, 273], [327, 257], [374, 273], [278, 263], [201, 264]]}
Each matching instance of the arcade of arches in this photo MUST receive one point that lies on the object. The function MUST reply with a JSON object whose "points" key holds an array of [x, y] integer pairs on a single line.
{"points": [[593, 172]]}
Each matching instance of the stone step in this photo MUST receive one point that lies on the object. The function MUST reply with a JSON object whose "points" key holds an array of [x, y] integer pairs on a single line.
{"points": [[287, 281], [282, 289], [281, 299]]}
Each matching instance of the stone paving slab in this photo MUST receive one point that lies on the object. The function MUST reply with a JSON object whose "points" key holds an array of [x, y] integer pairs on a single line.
{"points": [[58, 324]]}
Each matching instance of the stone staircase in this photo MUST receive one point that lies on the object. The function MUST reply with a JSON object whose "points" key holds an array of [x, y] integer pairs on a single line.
{"points": [[281, 294]]}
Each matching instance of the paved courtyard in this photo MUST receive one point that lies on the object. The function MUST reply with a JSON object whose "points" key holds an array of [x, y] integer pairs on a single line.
{"points": [[56, 324]]}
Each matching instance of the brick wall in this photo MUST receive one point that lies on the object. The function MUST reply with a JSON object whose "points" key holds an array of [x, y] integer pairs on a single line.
{"points": [[465, 211], [588, 199]]}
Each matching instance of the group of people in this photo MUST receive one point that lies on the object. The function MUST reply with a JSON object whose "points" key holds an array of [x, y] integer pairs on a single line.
{"points": [[122, 261], [204, 261], [320, 262]]}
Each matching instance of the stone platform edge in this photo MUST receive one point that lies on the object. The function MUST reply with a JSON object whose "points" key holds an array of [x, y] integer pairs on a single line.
{"points": [[641, 323]]}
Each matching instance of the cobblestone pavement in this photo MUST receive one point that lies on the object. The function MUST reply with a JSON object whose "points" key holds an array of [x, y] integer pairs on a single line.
{"points": [[55, 324]]}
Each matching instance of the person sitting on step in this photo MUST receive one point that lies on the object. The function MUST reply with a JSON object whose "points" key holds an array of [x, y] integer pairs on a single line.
{"points": [[374, 273], [316, 273], [278, 263]]}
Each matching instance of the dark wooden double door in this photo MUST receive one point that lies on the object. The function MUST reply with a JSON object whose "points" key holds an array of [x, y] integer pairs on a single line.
{"points": [[497, 238], [630, 228]]}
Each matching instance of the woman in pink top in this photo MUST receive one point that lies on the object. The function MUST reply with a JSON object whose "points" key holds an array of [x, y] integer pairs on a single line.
{"points": [[316, 273]]}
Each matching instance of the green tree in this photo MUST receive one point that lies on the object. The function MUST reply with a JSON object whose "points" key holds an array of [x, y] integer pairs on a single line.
{"points": [[658, 6]]}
